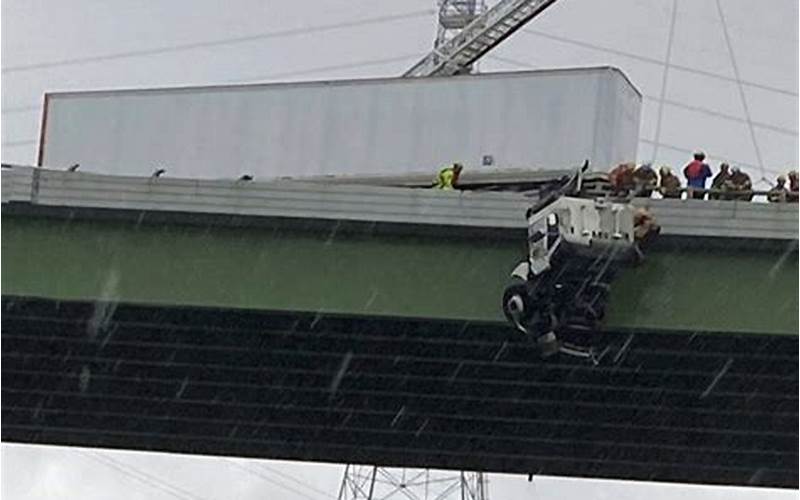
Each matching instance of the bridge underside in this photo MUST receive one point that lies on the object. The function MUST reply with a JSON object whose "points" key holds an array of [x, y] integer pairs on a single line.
{"points": [[699, 407]]}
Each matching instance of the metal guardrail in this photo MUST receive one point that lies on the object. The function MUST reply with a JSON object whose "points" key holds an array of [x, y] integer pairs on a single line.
{"points": [[725, 192], [686, 192], [288, 199]]}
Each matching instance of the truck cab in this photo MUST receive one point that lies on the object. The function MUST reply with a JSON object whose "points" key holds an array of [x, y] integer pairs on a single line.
{"points": [[576, 246]]}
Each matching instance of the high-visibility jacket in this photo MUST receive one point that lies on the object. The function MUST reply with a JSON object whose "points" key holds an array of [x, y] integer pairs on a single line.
{"points": [[445, 178]]}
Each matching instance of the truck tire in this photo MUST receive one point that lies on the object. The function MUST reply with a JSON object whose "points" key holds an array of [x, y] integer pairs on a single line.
{"points": [[514, 296]]}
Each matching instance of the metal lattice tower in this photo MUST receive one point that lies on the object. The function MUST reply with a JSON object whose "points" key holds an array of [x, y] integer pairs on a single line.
{"points": [[454, 16], [467, 31], [369, 482]]}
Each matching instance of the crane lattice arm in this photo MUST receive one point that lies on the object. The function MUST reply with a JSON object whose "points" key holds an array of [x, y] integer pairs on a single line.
{"points": [[479, 37]]}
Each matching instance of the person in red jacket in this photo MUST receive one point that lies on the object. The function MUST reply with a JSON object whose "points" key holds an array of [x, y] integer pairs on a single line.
{"points": [[696, 173]]}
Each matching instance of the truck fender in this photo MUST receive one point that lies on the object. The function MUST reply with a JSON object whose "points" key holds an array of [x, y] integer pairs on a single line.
{"points": [[522, 271]]}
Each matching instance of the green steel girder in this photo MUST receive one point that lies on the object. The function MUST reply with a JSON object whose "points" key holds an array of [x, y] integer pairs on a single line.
{"points": [[272, 268]]}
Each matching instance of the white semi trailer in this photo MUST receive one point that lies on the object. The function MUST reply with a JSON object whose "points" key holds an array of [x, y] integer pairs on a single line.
{"points": [[544, 120]]}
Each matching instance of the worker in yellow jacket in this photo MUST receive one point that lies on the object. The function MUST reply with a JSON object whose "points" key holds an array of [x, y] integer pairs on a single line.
{"points": [[448, 176]]}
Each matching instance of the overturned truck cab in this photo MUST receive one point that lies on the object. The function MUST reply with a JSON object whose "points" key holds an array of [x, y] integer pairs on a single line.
{"points": [[576, 246]]}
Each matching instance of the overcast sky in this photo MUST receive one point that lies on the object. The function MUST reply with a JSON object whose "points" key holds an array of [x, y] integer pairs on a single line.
{"points": [[730, 87]]}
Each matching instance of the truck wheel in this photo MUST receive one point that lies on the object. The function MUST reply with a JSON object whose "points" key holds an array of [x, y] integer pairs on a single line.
{"points": [[516, 304]]}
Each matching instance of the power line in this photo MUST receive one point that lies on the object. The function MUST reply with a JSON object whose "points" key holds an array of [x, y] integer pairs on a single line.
{"points": [[308, 71], [142, 476], [271, 480], [670, 38], [336, 67], [749, 28], [291, 478], [651, 60], [740, 87], [221, 42], [719, 114], [317, 69], [151, 477]]}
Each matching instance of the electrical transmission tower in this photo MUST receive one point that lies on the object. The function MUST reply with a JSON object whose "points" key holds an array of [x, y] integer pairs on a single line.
{"points": [[454, 16], [370, 482], [467, 31]]}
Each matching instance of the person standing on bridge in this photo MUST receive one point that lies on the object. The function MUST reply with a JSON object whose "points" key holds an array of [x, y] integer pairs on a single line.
{"points": [[645, 228], [645, 180], [719, 180], [778, 193], [793, 187], [448, 177], [740, 185], [696, 173], [669, 186], [621, 179]]}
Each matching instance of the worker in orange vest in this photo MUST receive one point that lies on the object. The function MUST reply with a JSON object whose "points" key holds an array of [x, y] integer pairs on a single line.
{"points": [[621, 178]]}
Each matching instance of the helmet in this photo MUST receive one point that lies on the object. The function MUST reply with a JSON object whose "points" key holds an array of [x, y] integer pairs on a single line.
{"points": [[781, 179], [664, 169]]}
